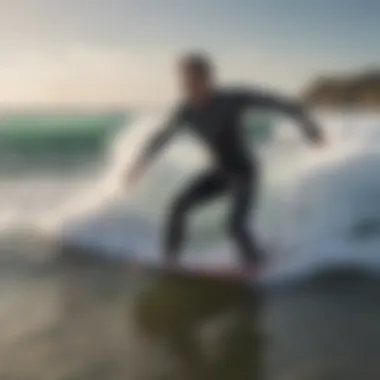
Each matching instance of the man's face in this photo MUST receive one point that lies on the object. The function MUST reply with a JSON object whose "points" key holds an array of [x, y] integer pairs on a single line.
{"points": [[195, 86]]}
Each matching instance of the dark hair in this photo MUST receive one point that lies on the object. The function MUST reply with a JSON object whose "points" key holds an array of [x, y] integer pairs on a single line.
{"points": [[198, 63]]}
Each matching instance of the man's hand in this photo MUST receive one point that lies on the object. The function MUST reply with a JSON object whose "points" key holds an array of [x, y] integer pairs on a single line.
{"points": [[320, 141], [315, 134]]}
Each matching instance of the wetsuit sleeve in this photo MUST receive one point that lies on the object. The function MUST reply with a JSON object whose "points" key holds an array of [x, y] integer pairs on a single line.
{"points": [[164, 135], [287, 106]]}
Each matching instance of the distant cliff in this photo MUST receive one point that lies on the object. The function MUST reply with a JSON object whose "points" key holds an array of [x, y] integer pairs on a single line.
{"points": [[356, 91]]}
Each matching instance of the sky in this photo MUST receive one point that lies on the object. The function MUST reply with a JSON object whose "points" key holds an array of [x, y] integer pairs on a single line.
{"points": [[123, 52]]}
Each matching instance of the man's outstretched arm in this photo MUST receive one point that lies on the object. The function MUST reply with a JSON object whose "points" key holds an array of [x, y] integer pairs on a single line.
{"points": [[289, 107], [155, 144]]}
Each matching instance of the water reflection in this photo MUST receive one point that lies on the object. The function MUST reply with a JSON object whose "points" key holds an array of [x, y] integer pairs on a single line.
{"points": [[211, 328], [93, 321]]}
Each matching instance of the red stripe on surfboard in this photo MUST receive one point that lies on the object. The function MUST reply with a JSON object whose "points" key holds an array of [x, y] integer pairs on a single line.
{"points": [[212, 273], [221, 272], [225, 272]]}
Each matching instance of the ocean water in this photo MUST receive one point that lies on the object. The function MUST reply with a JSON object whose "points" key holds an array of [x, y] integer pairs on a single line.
{"points": [[49, 157], [62, 176], [68, 319]]}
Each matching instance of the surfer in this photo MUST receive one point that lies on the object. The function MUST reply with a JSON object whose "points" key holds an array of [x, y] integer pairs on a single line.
{"points": [[214, 116]]}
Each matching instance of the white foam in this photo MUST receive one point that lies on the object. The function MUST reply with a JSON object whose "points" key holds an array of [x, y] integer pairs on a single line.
{"points": [[311, 201]]}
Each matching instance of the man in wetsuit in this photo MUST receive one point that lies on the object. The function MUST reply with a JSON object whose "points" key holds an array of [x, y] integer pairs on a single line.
{"points": [[214, 116]]}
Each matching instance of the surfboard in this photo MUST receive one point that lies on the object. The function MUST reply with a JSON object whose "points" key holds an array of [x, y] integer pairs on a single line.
{"points": [[221, 272]]}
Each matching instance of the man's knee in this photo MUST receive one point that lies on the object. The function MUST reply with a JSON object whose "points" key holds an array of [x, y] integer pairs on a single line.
{"points": [[179, 208], [236, 229]]}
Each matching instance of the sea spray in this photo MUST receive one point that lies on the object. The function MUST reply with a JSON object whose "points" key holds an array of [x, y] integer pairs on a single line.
{"points": [[317, 207]]}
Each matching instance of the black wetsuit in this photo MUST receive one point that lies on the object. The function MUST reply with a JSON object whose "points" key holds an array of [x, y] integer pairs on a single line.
{"points": [[235, 172]]}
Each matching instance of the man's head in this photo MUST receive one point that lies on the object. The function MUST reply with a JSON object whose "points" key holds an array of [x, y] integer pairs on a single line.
{"points": [[196, 76]]}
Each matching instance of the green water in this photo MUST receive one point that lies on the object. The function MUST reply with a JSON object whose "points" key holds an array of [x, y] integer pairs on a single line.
{"points": [[65, 132], [57, 142]]}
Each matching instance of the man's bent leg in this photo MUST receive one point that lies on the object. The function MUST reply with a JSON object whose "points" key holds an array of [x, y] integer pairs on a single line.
{"points": [[244, 196], [205, 187]]}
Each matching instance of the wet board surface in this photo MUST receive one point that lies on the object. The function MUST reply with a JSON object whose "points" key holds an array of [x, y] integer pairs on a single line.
{"points": [[217, 272]]}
